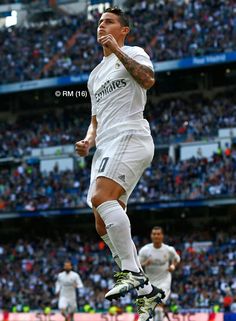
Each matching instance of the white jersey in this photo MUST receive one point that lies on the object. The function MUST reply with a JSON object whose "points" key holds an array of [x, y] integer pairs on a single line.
{"points": [[118, 101], [161, 259], [67, 283]]}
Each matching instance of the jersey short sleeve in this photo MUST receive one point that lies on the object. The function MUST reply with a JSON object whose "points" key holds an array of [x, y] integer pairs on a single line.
{"points": [[93, 110], [139, 55], [174, 256]]}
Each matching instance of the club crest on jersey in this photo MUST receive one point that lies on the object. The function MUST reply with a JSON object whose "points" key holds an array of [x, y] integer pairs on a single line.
{"points": [[117, 65], [108, 87]]}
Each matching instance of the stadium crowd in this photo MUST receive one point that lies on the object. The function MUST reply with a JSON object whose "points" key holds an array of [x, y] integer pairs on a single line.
{"points": [[68, 46], [28, 270], [26, 188], [197, 117], [172, 120], [52, 128]]}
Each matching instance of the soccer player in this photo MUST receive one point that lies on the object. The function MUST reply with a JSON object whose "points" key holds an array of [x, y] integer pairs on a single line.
{"points": [[124, 149], [159, 261], [67, 283]]}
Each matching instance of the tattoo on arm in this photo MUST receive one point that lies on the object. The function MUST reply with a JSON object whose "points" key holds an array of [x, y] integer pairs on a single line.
{"points": [[142, 74]]}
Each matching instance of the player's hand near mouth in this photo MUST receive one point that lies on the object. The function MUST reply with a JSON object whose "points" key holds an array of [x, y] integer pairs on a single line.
{"points": [[108, 41]]}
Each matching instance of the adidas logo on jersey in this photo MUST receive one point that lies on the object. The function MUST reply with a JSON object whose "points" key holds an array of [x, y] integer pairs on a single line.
{"points": [[122, 178]]}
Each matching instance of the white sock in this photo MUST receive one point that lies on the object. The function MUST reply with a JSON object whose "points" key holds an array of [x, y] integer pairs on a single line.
{"points": [[147, 287], [118, 229], [115, 256]]}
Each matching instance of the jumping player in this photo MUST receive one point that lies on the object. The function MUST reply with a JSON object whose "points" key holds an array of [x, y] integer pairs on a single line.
{"points": [[67, 283], [124, 149], [159, 261]]}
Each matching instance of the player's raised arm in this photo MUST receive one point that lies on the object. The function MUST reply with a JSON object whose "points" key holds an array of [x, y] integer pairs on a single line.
{"points": [[143, 74], [83, 146]]}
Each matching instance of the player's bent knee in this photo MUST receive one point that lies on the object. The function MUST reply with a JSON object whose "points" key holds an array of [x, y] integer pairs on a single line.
{"points": [[106, 190], [97, 199]]}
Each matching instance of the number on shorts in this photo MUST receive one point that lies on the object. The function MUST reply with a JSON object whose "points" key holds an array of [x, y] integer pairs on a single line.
{"points": [[103, 164]]}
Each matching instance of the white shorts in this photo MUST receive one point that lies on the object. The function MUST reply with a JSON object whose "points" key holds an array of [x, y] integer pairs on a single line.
{"points": [[68, 304], [123, 160]]}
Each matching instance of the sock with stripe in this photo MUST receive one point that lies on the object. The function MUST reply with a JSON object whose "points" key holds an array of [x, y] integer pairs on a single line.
{"points": [[114, 254], [118, 229]]}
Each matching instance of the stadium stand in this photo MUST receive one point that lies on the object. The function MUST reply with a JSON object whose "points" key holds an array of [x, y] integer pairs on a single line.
{"points": [[43, 131], [68, 46]]}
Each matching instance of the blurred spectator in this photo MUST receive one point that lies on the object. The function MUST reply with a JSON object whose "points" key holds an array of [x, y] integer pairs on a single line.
{"points": [[228, 300], [227, 150], [233, 305]]}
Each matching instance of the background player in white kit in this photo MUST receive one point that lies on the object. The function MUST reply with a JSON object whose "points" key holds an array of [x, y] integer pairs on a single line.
{"points": [[67, 283], [125, 148], [159, 261]]}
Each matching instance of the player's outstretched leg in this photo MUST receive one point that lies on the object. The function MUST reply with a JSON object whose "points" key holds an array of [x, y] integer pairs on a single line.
{"points": [[146, 304], [118, 230], [117, 225]]}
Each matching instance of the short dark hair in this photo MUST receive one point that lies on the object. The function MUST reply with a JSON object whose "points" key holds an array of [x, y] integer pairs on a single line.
{"points": [[67, 261], [158, 228], [124, 19]]}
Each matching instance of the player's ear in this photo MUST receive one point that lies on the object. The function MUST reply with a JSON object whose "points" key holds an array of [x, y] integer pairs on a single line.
{"points": [[125, 30]]}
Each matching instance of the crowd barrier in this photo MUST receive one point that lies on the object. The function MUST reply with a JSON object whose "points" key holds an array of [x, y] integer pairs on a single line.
{"points": [[107, 317]]}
